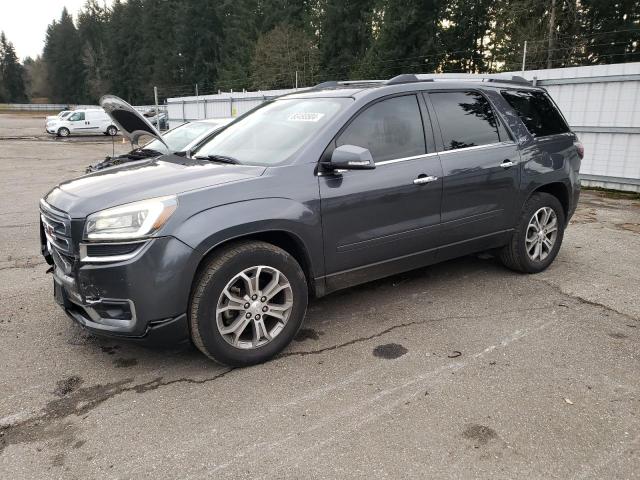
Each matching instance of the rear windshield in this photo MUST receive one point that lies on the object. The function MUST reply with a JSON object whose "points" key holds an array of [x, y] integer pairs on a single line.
{"points": [[272, 133], [537, 112]]}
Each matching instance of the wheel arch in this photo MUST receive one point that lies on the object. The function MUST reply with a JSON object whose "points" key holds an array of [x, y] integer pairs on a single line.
{"points": [[559, 190], [286, 240]]}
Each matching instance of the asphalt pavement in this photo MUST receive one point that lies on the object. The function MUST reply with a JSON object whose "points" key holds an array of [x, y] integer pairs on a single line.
{"points": [[460, 370]]}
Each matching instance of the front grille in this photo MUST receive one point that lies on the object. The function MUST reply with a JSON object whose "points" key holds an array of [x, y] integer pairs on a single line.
{"points": [[55, 228]]}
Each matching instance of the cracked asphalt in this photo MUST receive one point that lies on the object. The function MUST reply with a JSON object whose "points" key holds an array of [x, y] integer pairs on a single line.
{"points": [[459, 370]]}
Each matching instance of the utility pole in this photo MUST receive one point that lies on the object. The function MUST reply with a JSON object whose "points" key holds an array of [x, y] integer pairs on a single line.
{"points": [[552, 29], [155, 99], [524, 56], [296, 79]]}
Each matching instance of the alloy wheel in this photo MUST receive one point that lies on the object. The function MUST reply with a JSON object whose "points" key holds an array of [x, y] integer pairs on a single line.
{"points": [[542, 233], [254, 307]]}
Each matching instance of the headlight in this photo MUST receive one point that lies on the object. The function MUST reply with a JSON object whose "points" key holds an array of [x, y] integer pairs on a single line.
{"points": [[130, 221]]}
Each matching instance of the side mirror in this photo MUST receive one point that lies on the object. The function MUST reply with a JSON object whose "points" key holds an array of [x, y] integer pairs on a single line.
{"points": [[351, 157]]}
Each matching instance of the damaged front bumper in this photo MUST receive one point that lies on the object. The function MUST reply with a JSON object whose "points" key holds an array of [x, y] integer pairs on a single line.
{"points": [[137, 290], [115, 318]]}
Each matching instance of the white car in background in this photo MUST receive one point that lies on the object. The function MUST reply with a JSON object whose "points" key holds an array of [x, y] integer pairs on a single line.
{"points": [[179, 139], [83, 122], [60, 116]]}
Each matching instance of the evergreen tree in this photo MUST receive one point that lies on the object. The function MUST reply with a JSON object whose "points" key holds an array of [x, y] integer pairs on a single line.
{"points": [[35, 73], [126, 64], [466, 30], [63, 56], [133, 45], [92, 24], [12, 88], [281, 53], [199, 52], [518, 21], [622, 19], [408, 39], [239, 35], [345, 36], [296, 14]]}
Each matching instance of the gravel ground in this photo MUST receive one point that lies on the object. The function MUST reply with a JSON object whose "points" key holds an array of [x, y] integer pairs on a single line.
{"points": [[460, 370]]}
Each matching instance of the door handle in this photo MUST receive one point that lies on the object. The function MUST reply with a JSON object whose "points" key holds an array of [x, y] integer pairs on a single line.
{"points": [[424, 179], [507, 164]]}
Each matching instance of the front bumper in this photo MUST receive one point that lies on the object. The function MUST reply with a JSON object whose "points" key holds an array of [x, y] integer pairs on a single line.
{"points": [[168, 331], [131, 297], [131, 293]]}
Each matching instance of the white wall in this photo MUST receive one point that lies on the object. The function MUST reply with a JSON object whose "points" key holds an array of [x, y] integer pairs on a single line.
{"points": [[220, 105]]}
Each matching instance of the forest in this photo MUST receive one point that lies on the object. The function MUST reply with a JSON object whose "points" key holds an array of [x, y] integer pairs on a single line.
{"points": [[131, 46]]}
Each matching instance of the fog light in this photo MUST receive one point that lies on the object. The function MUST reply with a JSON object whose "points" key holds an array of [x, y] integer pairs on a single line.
{"points": [[113, 310]]}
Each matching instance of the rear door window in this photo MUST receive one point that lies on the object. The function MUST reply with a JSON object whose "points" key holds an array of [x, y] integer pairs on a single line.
{"points": [[466, 119], [537, 112], [390, 129]]}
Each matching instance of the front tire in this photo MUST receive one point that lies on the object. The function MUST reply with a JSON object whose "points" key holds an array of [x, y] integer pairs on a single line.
{"points": [[538, 235], [248, 303], [63, 132]]}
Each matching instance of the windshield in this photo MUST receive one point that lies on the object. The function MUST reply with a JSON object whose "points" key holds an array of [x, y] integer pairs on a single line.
{"points": [[179, 137], [273, 132]]}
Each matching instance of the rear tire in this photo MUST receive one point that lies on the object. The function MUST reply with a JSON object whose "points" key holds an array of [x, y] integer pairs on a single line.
{"points": [[243, 332], [63, 132], [538, 235], [111, 131]]}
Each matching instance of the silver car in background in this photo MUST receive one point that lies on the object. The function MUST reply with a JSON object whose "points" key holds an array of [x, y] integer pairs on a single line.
{"points": [[179, 139]]}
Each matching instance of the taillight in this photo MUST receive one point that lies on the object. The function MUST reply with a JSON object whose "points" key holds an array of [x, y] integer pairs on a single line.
{"points": [[580, 149]]}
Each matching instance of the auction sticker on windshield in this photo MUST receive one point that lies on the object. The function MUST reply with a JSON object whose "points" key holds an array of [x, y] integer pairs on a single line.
{"points": [[304, 117]]}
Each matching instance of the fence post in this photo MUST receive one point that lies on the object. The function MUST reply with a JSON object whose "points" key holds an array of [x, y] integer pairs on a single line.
{"points": [[197, 103]]}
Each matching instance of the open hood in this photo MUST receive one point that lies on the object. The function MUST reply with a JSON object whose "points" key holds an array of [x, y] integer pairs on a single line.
{"points": [[130, 122]]}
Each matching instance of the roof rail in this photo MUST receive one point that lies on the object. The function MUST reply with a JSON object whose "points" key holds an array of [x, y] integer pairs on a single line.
{"points": [[428, 77], [346, 83], [403, 78], [477, 77]]}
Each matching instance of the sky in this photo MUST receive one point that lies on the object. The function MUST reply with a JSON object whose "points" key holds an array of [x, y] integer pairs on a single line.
{"points": [[25, 21]]}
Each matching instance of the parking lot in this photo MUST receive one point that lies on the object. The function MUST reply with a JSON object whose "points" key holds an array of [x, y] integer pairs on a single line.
{"points": [[459, 370]]}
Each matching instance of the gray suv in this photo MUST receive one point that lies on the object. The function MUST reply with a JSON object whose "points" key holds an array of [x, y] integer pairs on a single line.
{"points": [[307, 194]]}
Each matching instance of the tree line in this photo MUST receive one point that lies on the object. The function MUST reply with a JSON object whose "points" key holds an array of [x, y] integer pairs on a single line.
{"points": [[130, 47], [12, 87]]}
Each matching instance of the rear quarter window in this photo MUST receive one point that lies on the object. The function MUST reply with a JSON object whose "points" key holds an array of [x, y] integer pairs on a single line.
{"points": [[537, 112], [466, 119]]}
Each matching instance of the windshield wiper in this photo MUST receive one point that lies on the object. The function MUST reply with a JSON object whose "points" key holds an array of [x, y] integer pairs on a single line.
{"points": [[220, 159]]}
